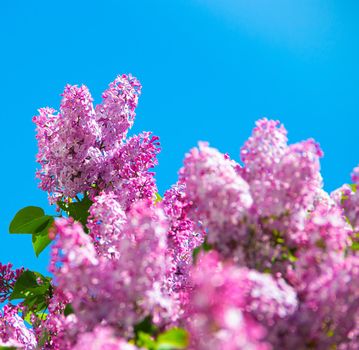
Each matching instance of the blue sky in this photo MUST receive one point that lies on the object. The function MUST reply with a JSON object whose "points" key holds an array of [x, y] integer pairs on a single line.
{"points": [[209, 69]]}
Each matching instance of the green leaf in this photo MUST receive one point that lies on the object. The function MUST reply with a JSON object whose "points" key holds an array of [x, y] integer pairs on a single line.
{"points": [[158, 198], [26, 280], [175, 338], [195, 253], [35, 294], [145, 326], [40, 315], [7, 347], [40, 240], [355, 246], [29, 220], [68, 310], [33, 220], [145, 340], [43, 339], [353, 187], [79, 211], [206, 247]]}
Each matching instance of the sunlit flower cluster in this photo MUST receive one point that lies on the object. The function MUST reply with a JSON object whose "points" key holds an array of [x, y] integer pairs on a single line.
{"points": [[243, 255]]}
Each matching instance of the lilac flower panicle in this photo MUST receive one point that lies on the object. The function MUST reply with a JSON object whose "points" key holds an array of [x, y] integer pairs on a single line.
{"points": [[8, 277], [127, 174], [264, 148], [348, 200], [355, 175], [147, 231], [13, 331], [68, 150], [116, 113], [235, 308], [326, 228], [219, 196], [328, 315], [127, 292], [183, 237], [283, 179], [82, 146]]}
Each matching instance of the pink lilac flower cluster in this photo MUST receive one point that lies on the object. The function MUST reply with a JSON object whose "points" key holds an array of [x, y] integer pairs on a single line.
{"points": [[126, 292], [347, 197], [249, 211], [13, 331], [220, 197], [8, 277], [183, 237], [102, 338], [126, 172], [105, 224], [234, 307], [282, 271], [85, 146]]}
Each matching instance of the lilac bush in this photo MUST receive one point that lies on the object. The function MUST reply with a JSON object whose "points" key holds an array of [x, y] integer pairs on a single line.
{"points": [[247, 254]]}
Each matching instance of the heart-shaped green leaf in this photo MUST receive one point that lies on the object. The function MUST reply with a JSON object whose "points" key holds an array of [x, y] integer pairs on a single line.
{"points": [[29, 220], [41, 240]]}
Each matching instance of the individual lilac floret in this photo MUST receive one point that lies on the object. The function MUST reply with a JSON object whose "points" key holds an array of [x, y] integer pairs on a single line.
{"points": [[220, 198], [102, 338], [13, 332], [105, 224], [235, 308], [127, 171], [116, 113], [68, 144]]}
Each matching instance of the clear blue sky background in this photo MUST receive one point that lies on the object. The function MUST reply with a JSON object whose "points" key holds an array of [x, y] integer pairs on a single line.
{"points": [[209, 69]]}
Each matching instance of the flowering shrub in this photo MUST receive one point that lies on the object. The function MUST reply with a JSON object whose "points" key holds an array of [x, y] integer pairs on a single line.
{"points": [[234, 256]]}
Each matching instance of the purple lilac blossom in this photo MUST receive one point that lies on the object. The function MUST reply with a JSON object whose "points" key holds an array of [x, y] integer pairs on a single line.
{"points": [[348, 199], [219, 197], [183, 236], [116, 114], [126, 291], [13, 331], [8, 277], [127, 174], [102, 338], [235, 308], [84, 149], [328, 313], [69, 152], [282, 274]]}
